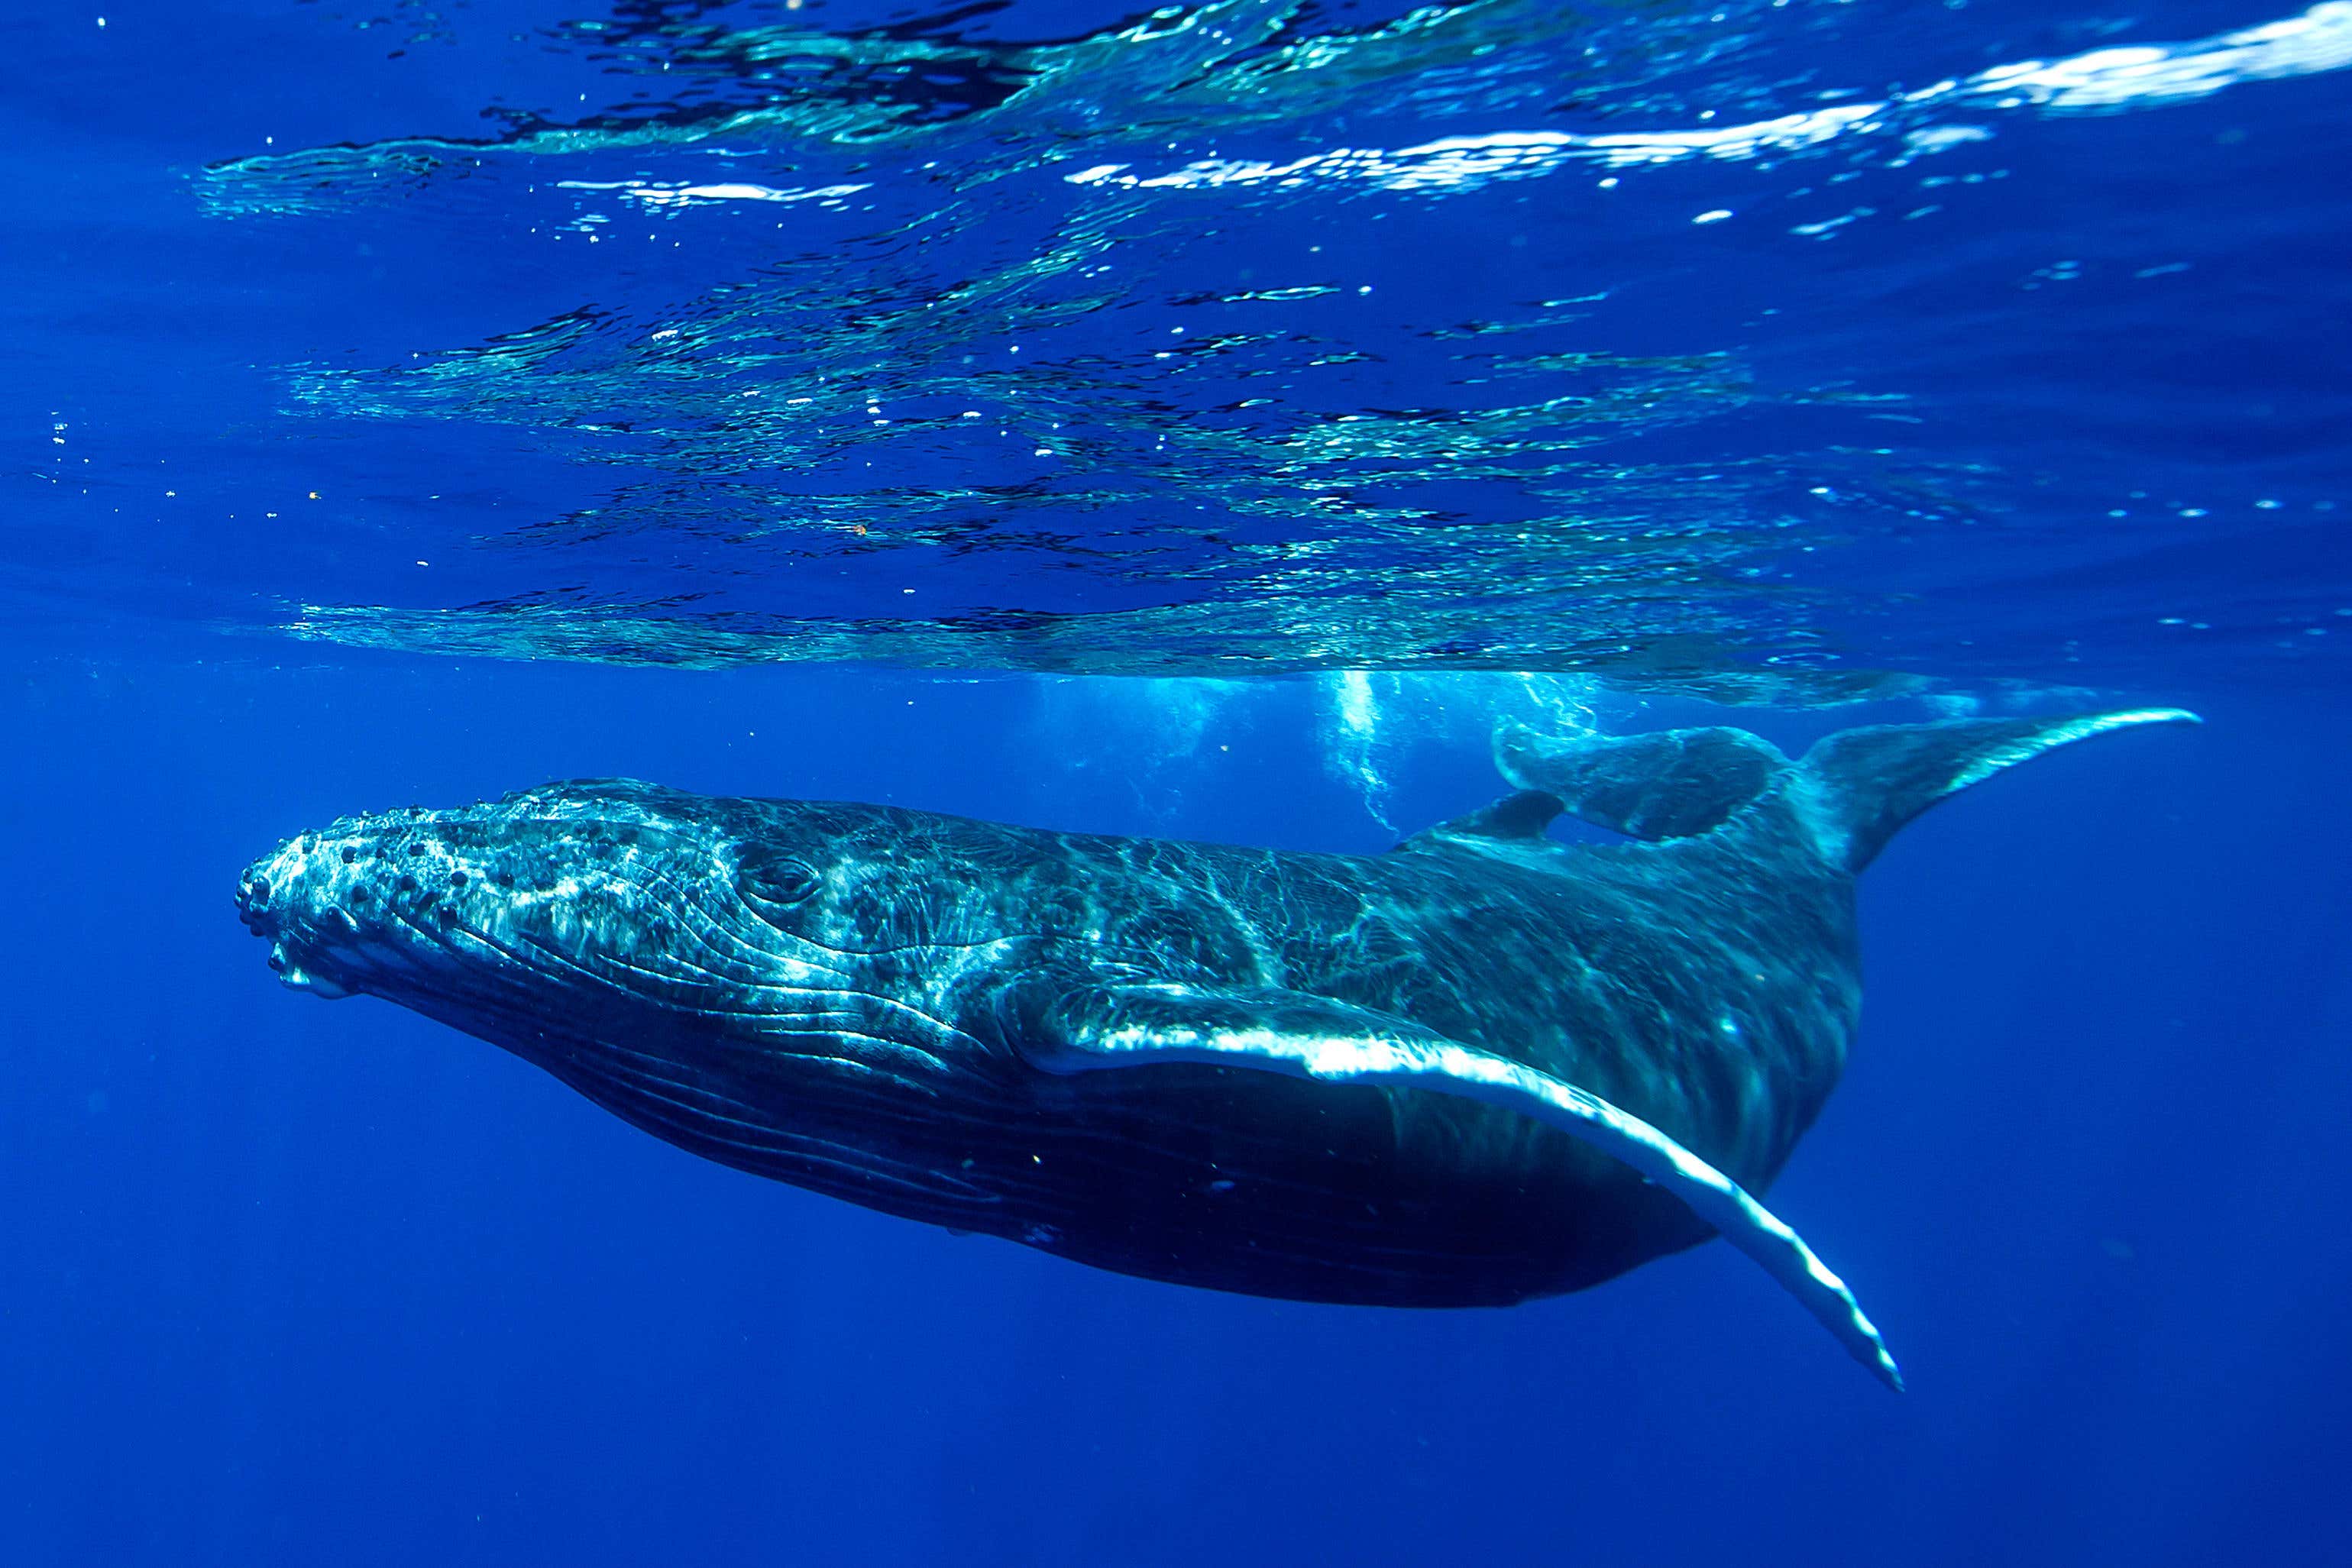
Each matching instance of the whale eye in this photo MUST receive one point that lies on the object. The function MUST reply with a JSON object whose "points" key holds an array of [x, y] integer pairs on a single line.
{"points": [[773, 879]]}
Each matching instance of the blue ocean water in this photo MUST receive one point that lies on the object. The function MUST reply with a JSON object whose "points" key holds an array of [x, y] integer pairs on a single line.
{"points": [[1204, 422]]}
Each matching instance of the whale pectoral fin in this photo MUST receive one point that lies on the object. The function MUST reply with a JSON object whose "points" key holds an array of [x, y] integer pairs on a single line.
{"points": [[1313, 1038]]}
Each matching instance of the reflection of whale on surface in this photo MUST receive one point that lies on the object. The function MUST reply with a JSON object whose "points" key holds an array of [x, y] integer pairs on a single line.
{"points": [[1481, 1067]]}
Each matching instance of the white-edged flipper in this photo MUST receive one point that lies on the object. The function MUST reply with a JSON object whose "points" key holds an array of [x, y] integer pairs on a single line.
{"points": [[1313, 1038]]}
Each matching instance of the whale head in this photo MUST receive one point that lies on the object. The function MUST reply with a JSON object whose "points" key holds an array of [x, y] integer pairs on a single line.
{"points": [[573, 889], [739, 976]]}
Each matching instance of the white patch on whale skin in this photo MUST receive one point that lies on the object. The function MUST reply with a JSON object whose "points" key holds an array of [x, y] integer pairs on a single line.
{"points": [[294, 978]]}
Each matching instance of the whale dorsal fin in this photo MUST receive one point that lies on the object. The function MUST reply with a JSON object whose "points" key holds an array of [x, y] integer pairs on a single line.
{"points": [[1665, 784], [1089, 1028]]}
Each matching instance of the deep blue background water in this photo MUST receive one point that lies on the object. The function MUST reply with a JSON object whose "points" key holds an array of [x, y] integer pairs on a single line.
{"points": [[287, 1283], [290, 1281]]}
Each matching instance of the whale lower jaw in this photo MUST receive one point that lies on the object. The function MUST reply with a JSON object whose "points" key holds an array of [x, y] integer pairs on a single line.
{"points": [[294, 978]]}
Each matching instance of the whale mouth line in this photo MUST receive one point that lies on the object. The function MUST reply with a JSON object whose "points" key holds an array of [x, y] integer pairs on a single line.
{"points": [[442, 958]]}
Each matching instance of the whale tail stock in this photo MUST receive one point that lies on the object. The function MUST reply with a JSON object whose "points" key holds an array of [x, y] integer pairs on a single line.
{"points": [[1846, 796], [1850, 793]]}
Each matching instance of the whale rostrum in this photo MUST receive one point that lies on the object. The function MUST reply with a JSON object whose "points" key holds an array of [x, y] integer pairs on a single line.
{"points": [[1483, 1067]]}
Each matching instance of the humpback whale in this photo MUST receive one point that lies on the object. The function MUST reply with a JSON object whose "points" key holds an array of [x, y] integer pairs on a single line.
{"points": [[1485, 1066]]}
